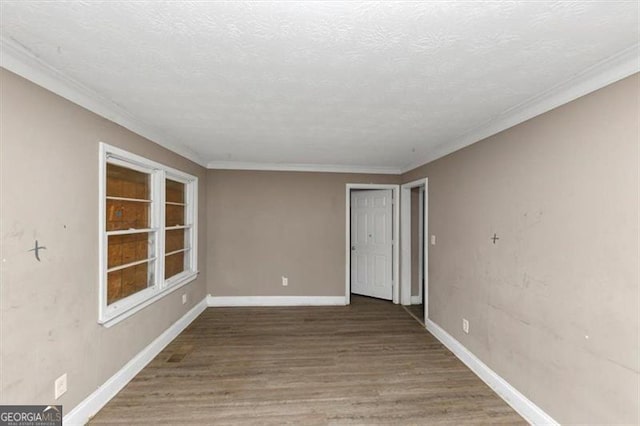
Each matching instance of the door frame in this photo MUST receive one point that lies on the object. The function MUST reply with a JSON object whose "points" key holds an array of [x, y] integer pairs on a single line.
{"points": [[421, 235], [395, 225], [405, 242]]}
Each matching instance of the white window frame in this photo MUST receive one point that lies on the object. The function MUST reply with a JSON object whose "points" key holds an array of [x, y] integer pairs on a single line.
{"points": [[190, 219], [109, 315]]}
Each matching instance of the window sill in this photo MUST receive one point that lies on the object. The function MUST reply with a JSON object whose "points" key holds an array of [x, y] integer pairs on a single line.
{"points": [[173, 285]]}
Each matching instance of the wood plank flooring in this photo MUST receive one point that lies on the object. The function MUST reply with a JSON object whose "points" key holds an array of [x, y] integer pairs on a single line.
{"points": [[417, 311], [367, 363]]}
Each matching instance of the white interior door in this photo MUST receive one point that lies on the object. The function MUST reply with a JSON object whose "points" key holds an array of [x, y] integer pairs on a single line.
{"points": [[372, 243]]}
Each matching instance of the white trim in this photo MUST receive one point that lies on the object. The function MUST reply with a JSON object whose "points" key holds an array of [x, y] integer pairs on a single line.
{"points": [[191, 214], [228, 301], [193, 198], [293, 167], [425, 250], [416, 300], [608, 71], [526, 408], [82, 412], [405, 242], [396, 234], [421, 193], [18, 60], [129, 159], [183, 280], [109, 315]]}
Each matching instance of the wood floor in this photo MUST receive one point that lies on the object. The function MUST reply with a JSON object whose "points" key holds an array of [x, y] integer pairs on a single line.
{"points": [[417, 311], [367, 363]]}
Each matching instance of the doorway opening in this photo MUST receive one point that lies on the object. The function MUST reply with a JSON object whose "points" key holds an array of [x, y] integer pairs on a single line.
{"points": [[414, 283], [372, 252]]}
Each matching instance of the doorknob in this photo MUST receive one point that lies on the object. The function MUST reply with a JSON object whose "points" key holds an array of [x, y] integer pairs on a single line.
{"points": [[353, 248]]}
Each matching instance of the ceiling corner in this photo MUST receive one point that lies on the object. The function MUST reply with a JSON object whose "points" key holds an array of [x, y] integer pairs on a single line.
{"points": [[608, 71], [24, 63], [306, 167]]}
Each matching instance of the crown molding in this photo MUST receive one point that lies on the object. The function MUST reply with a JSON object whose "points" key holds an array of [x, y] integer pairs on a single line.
{"points": [[603, 73], [23, 62], [292, 167]]}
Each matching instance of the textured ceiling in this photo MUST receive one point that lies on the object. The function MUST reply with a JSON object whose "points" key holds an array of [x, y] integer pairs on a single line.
{"points": [[344, 83]]}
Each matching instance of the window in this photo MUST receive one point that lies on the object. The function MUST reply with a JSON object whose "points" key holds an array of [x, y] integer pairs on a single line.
{"points": [[147, 232]]}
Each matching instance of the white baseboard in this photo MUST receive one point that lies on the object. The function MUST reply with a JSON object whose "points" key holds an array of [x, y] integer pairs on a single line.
{"points": [[416, 300], [98, 399], [527, 409], [82, 412], [221, 301]]}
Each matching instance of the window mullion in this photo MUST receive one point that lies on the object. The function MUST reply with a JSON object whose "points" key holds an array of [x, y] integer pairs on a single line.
{"points": [[191, 214], [161, 189], [103, 261]]}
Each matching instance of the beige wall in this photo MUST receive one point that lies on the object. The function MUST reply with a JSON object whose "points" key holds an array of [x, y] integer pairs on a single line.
{"points": [[49, 309], [263, 225], [560, 190], [553, 306]]}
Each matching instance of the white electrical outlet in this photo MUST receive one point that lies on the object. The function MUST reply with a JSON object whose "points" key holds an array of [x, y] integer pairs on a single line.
{"points": [[60, 386], [184, 299], [433, 240], [285, 281], [465, 325]]}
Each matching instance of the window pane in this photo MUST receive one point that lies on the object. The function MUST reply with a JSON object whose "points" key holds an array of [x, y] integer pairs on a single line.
{"points": [[174, 215], [127, 215], [174, 264], [128, 281], [123, 249], [127, 183], [174, 191], [175, 240]]}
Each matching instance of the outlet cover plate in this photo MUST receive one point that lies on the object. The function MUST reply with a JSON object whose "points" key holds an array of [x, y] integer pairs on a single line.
{"points": [[60, 386]]}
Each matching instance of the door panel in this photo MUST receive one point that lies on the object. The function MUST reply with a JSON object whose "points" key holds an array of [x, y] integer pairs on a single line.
{"points": [[380, 269], [379, 228], [361, 270], [371, 243], [361, 228]]}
